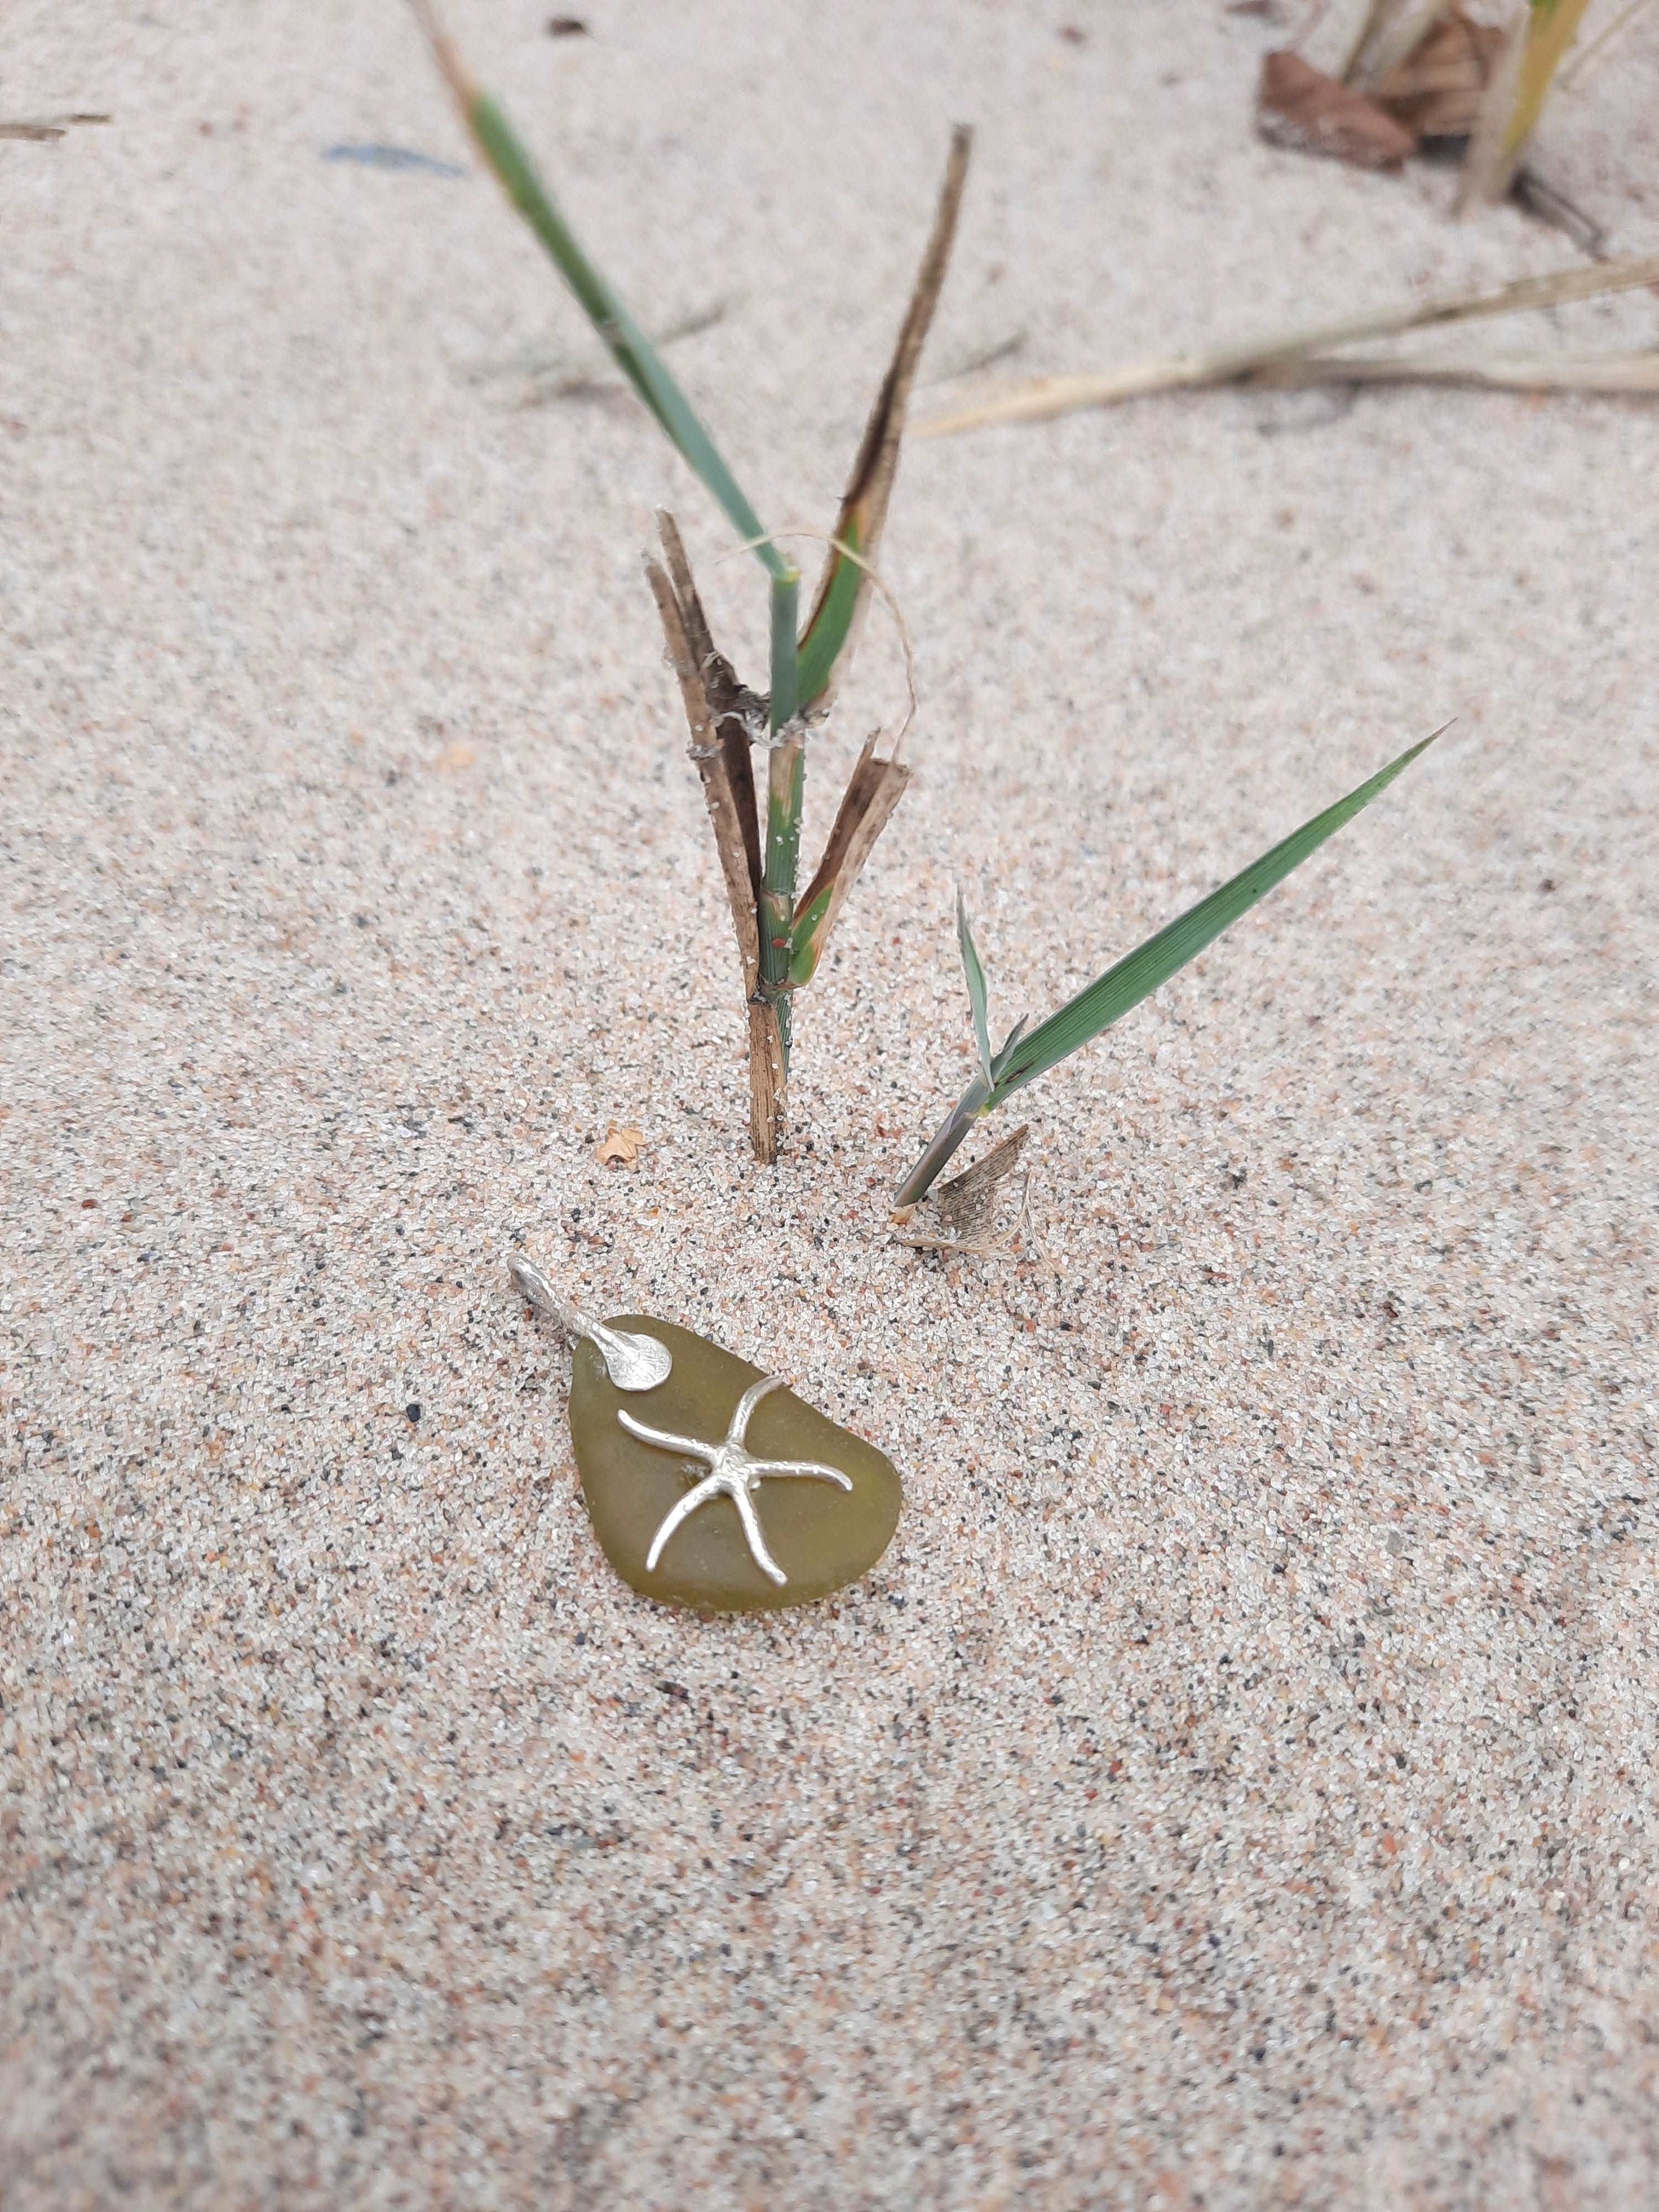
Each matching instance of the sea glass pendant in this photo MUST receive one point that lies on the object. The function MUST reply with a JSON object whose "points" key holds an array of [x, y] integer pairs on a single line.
{"points": [[712, 1485]]}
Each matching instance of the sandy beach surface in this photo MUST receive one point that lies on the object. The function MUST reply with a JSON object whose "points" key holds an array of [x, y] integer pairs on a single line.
{"points": [[1234, 1786]]}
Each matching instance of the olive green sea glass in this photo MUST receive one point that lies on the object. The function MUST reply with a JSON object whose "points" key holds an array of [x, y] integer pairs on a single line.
{"points": [[818, 1536]]}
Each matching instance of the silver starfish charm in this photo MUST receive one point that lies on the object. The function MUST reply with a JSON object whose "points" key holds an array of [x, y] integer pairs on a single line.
{"points": [[733, 1473]]}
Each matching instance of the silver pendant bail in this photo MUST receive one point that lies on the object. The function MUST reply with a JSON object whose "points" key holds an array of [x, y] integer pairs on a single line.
{"points": [[633, 1362]]}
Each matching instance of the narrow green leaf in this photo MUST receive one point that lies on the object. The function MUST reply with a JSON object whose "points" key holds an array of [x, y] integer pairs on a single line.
{"points": [[974, 969], [832, 619], [786, 781], [634, 353], [1008, 1044], [785, 771], [1138, 975]]}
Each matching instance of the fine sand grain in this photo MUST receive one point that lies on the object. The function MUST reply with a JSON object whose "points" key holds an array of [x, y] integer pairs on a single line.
{"points": [[1235, 1787]]}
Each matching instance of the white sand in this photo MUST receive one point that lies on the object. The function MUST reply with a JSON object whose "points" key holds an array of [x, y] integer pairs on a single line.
{"points": [[1235, 1787]]}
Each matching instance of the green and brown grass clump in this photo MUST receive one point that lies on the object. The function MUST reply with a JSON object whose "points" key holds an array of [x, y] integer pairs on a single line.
{"points": [[1028, 1053], [781, 931]]}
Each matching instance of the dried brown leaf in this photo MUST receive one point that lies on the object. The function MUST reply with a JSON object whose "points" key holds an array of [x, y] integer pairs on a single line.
{"points": [[735, 710], [968, 1202], [1436, 91], [620, 1148], [966, 1207], [874, 789], [863, 515], [737, 840], [1299, 105]]}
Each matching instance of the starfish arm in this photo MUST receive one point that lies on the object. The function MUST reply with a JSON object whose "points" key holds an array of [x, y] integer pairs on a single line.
{"points": [[693, 1446], [710, 1487], [811, 1467], [751, 1528], [747, 1405]]}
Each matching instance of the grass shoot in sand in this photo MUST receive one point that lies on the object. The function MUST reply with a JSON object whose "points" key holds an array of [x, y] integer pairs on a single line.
{"points": [[781, 935], [1027, 1052]]}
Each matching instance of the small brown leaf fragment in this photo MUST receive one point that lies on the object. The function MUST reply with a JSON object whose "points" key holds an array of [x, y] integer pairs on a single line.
{"points": [[1436, 91], [874, 790], [968, 1202], [1300, 106], [966, 1208], [620, 1148]]}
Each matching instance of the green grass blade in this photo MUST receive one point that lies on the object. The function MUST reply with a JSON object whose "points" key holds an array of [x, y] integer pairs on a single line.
{"points": [[786, 787], [1008, 1044], [832, 618], [967, 1109], [974, 969], [635, 355], [786, 775], [1138, 975]]}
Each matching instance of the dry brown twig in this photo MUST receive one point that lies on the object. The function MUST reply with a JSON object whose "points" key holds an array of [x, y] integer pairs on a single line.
{"points": [[1311, 350], [1437, 88], [46, 128], [1611, 373]]}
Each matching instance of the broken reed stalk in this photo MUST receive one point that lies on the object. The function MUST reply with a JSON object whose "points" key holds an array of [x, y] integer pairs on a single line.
{"points": [[1608, 373], [792, 932], [1026, 1055], [1485, 175], [1514, 99], [781, 938], [1042, 398]]}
